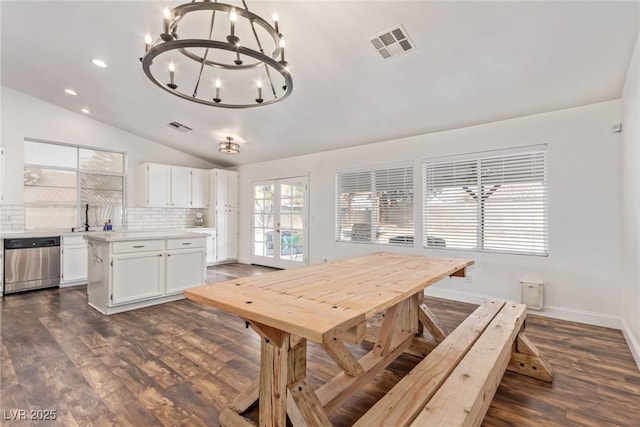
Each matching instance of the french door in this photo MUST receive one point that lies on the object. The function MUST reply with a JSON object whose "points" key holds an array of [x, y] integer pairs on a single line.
{"points": [[279, 231]]}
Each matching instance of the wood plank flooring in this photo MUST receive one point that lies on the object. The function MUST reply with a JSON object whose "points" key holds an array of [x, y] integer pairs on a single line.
{"points": [[179, 364]]}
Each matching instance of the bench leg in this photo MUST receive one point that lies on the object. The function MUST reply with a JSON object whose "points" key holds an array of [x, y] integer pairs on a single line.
{"points": [[527, 360]]}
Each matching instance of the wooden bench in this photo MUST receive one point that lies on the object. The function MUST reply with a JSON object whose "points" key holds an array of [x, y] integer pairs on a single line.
{"points": [[455, 384]]}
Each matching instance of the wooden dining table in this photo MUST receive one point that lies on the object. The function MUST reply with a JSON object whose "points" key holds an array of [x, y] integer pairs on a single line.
{"points": [[332, 304]]}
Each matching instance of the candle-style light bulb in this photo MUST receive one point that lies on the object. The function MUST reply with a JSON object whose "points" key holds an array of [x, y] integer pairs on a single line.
{"points": [[168, 15], [172, 74], [218, 85], [147, 42], [233, 17], [259, 86], [275, 21], [282, 46], [238, 61]]}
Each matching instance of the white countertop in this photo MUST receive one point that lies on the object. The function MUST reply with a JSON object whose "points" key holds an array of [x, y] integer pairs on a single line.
{"points": [[121, 236], [67, 233]]}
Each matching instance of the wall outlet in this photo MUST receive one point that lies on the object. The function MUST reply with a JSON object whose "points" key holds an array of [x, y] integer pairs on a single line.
{"points": [[469, 278], [325, 260]]}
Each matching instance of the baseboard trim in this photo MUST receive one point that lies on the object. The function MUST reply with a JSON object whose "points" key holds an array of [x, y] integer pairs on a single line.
{"points": [[562, 313], [632, 342]]}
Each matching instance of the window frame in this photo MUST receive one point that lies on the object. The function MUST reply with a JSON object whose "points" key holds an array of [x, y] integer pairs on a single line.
{"points": [[409, 190], [82, 171], [537, 152]]}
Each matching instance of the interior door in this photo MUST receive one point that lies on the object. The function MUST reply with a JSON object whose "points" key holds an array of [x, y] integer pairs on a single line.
{"points": [[280, 235]]}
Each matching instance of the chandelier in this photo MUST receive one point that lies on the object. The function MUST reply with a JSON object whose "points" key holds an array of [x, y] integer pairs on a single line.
{"points": [[214, 54], [229, 147]]}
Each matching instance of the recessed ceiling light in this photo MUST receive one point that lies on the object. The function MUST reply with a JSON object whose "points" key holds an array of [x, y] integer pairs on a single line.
{"points": [[86, 111], [71, 92], [99, 63]]}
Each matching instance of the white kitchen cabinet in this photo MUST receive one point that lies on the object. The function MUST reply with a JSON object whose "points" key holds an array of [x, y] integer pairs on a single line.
{"points": [[73, 261], [158, 181], [129, 270], [210, 233], [224, 210], [184, 269], [138, 276], [175, 186], [179, 192], [199, 189]]}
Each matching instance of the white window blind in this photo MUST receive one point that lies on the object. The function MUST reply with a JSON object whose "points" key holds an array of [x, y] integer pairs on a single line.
{"points": [[489, 203], [375, 205]]}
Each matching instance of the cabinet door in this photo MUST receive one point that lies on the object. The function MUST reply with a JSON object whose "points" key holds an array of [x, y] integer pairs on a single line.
{"points": [[185, 269], [199, 188], [137, 276], [222, 219], [232, 189], [74, 263], [232, 233], [158, 178], [222, 188], [180, 187]]}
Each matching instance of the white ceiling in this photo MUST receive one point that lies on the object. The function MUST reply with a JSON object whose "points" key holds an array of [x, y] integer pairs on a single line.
{"points": [[475, 62]]}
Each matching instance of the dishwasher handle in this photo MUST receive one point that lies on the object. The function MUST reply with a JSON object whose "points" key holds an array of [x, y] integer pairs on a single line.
{"points": [[31, 242]]}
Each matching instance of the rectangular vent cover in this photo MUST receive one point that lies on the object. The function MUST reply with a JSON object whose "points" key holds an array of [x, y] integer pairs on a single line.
{"points": [[179, 126], [392, 42], [532, 293]]}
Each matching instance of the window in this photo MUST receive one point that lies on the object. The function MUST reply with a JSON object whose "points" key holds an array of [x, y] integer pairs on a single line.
{"points": [[496, 202], [375, 205], [60, 180]]}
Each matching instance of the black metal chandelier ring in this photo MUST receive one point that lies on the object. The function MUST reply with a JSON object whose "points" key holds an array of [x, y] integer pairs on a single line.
{"points": [[148, 58]]}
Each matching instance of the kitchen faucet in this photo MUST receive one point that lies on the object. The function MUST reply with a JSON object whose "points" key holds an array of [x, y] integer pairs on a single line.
{"points": [[86, 214]]}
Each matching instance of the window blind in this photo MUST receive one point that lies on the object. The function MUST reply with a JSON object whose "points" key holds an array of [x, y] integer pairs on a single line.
{"points": [[494, 202], [375, 205]]}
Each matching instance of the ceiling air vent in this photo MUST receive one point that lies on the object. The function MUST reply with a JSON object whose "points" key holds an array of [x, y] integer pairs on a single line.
{"points": [[392, 42], [179, 126]]}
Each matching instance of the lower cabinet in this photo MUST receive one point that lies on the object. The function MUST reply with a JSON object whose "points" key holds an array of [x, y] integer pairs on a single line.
{"points": [[73, 261], [184, 269], [137, 276], [125, 275]]}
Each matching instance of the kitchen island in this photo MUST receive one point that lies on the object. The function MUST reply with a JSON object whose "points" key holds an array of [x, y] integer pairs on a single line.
{"points": [[134, 269]]}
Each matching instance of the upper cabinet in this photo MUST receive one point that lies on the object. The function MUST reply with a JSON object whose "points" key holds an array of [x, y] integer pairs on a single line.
{"points": [[199, 188], [175, 186], [226, 188]]}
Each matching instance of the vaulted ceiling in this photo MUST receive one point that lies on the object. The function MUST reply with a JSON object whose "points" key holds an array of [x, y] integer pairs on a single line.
{"points": [[474, 62]]}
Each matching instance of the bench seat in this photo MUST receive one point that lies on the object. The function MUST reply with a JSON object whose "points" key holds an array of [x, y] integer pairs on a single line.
{"points": [[455, 383]]}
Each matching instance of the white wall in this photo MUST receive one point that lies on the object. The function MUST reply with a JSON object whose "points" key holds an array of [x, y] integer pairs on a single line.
{"points": [[631, 186], [26, 117], [582, 273]]}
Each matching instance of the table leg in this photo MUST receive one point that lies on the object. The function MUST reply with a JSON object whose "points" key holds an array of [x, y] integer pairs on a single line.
{"points": [[273, 382]]}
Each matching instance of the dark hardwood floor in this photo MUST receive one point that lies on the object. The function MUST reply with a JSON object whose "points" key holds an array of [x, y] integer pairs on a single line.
{"points": [[180, 363]]}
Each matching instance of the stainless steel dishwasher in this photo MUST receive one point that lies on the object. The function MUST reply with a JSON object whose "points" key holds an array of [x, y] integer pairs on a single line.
{"points": [[31, 263]]}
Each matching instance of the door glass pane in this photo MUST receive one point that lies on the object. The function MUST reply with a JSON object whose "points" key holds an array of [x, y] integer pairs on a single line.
{"points": [[291, 227], [263, 220]]}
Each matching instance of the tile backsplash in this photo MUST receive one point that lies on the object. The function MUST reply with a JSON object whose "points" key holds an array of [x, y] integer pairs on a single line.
{"points": [[11, 218], [164, 218]]}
